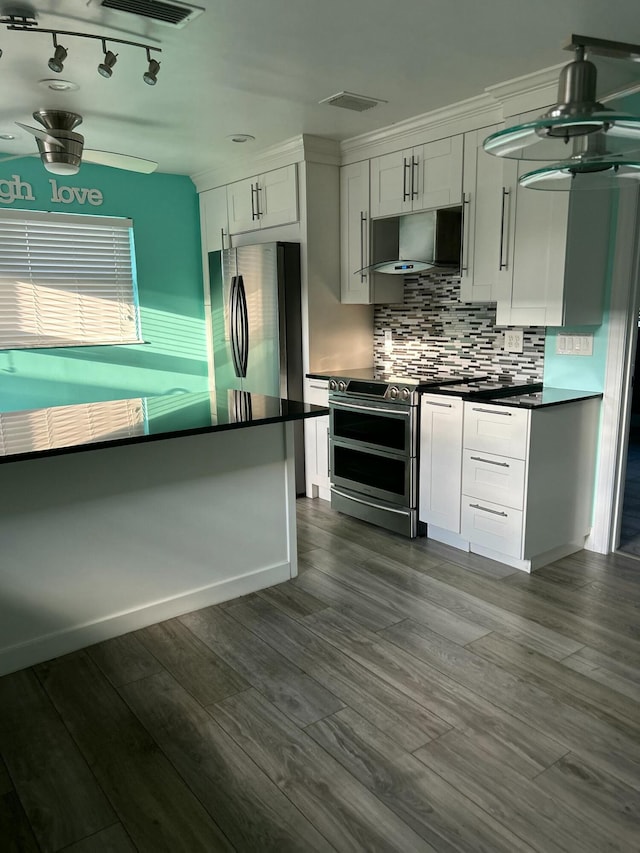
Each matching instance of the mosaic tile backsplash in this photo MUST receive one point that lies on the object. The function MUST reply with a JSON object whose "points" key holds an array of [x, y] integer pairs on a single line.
{"points": [[434, 330]]}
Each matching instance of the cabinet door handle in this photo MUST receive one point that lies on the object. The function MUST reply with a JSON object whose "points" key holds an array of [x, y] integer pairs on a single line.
{"points": [[486, 509], [505, 194], [259, 212], [328, 455], [222, 238], [363, 223], [493, 412], [464, 265], [414, 183], [406, 195], [490, 461], [254, 215], [443, 405]]}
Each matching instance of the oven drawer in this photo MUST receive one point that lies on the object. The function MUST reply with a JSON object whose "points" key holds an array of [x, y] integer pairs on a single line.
{"points": [[373, 472], [380, 513], [492, 525], [496, 429], [498, 479], [389, 428]]}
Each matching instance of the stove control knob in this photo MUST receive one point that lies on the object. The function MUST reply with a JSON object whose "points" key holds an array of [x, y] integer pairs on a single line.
{"points": [[405, 394], [393, 392], [342, 386], [332, 385]]}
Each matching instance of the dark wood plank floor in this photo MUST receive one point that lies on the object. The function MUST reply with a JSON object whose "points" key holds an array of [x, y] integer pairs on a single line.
{"points": [[396, 696]]}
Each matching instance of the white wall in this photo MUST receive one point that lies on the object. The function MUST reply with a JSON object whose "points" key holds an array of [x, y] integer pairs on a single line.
{"points": [[97, 543]]}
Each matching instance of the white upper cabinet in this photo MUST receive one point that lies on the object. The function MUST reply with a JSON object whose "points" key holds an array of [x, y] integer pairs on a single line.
{"points": [[420, 178], [359, 285], [213, 219], [554, 255], [264, 201], [485, 200]]}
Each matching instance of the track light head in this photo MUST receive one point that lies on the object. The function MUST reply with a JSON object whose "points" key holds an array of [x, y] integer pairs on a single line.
{"points": [[56, 63], [105, 69], [150, 76]]}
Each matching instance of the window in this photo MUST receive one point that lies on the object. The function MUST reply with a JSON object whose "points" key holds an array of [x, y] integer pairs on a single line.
{"points": [[66, 280]]}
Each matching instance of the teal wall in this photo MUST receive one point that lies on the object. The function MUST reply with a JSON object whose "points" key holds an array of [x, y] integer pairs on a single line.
{"points": [[164, 210]]}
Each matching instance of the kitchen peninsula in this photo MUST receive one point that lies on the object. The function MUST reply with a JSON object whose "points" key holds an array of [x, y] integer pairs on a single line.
{"points": [[116, 515]]}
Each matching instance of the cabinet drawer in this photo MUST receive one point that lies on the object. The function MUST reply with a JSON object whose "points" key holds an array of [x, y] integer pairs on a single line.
{"points": [[496, 429], [498, 479], [317, 391], [492, 526]]}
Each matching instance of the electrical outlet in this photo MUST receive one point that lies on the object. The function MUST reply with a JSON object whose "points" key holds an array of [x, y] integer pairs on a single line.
{"points": [[513, 340], [388, 340]]}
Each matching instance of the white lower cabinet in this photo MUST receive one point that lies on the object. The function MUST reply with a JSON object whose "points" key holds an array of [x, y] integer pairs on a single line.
{"points": [[440, 462], [512, 484], [316, 442], [528, 480]]}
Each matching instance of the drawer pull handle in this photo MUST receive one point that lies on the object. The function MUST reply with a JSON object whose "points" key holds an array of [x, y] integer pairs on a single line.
{"points": [[489, 461], [443, 405], [486, 509], [493, 412]]}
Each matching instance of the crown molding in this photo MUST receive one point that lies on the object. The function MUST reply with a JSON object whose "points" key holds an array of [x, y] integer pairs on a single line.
{"points": [[316, 149], [529, 92], [479, 111]]}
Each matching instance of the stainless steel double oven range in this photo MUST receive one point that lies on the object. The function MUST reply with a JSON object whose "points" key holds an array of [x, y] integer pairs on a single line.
{"points": [[374, 426]]}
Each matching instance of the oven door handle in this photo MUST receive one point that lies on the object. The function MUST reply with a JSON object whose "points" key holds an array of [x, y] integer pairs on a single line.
{"points": [[371, 409], [370, 503]]}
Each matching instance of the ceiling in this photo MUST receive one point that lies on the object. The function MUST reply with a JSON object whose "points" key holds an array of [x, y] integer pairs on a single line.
{"points": [[261, 67]]}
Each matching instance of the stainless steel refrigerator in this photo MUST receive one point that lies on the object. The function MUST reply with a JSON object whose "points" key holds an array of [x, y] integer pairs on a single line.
{"points": [[257, 326]]}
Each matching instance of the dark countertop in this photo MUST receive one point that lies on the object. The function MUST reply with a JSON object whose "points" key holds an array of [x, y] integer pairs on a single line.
{"points": [[547, 396], [425, 381], [59, 430], [532, 396]]}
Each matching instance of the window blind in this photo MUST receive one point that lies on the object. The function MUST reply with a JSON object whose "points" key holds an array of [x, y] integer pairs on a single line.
{"points": [[66, 426], [66, 280]]}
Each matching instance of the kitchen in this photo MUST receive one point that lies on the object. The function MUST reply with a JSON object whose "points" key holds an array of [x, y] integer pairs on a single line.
{"points": [[337, 337]]}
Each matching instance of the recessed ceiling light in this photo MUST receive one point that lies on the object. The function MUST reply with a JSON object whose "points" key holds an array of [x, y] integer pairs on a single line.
{"points": [[241, 137], [57, 85], [7, 136]]}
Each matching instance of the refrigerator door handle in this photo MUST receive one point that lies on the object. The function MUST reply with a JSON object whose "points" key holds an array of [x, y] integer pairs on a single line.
{"points": [[233, 326], [243, 322]]}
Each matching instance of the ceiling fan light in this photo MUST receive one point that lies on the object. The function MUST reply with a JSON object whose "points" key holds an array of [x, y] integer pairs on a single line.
{"points": [[56, 63], [150, 76], [105, 69], [61, 168]]}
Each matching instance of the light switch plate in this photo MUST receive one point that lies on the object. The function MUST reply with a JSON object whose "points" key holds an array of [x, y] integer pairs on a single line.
{"points": [[574, 344], [513, 340], [388, 340]]}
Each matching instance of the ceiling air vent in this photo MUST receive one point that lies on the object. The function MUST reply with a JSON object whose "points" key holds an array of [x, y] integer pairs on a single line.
{"points": [[174, 14], [349, 101]]}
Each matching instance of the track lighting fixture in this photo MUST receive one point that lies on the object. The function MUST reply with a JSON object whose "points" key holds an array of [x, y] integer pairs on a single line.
{"points": [[27, 24], [56, 63], [105, 69], [150, 76], [588, 145]]}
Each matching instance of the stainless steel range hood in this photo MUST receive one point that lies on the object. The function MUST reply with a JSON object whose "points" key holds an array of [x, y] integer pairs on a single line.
{"points": [[405, 245]]}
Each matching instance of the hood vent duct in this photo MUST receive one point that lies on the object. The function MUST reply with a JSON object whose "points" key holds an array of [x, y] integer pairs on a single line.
{"points": [[174, 14]]}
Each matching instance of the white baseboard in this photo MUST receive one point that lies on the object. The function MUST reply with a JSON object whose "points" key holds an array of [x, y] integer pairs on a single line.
{"points": [[439, 534], [535, 562], [77, 637]]}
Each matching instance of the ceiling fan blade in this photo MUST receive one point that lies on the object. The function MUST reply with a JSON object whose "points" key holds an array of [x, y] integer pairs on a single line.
{"points": [[119, 161], [41, 134]]}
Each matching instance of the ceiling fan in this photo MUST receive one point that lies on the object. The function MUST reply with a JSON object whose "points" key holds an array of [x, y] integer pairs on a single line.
{"points": [[62, 150]]}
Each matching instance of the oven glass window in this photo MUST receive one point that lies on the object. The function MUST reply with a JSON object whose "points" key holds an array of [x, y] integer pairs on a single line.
{"points": [[369, 469], [381, 430]]}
